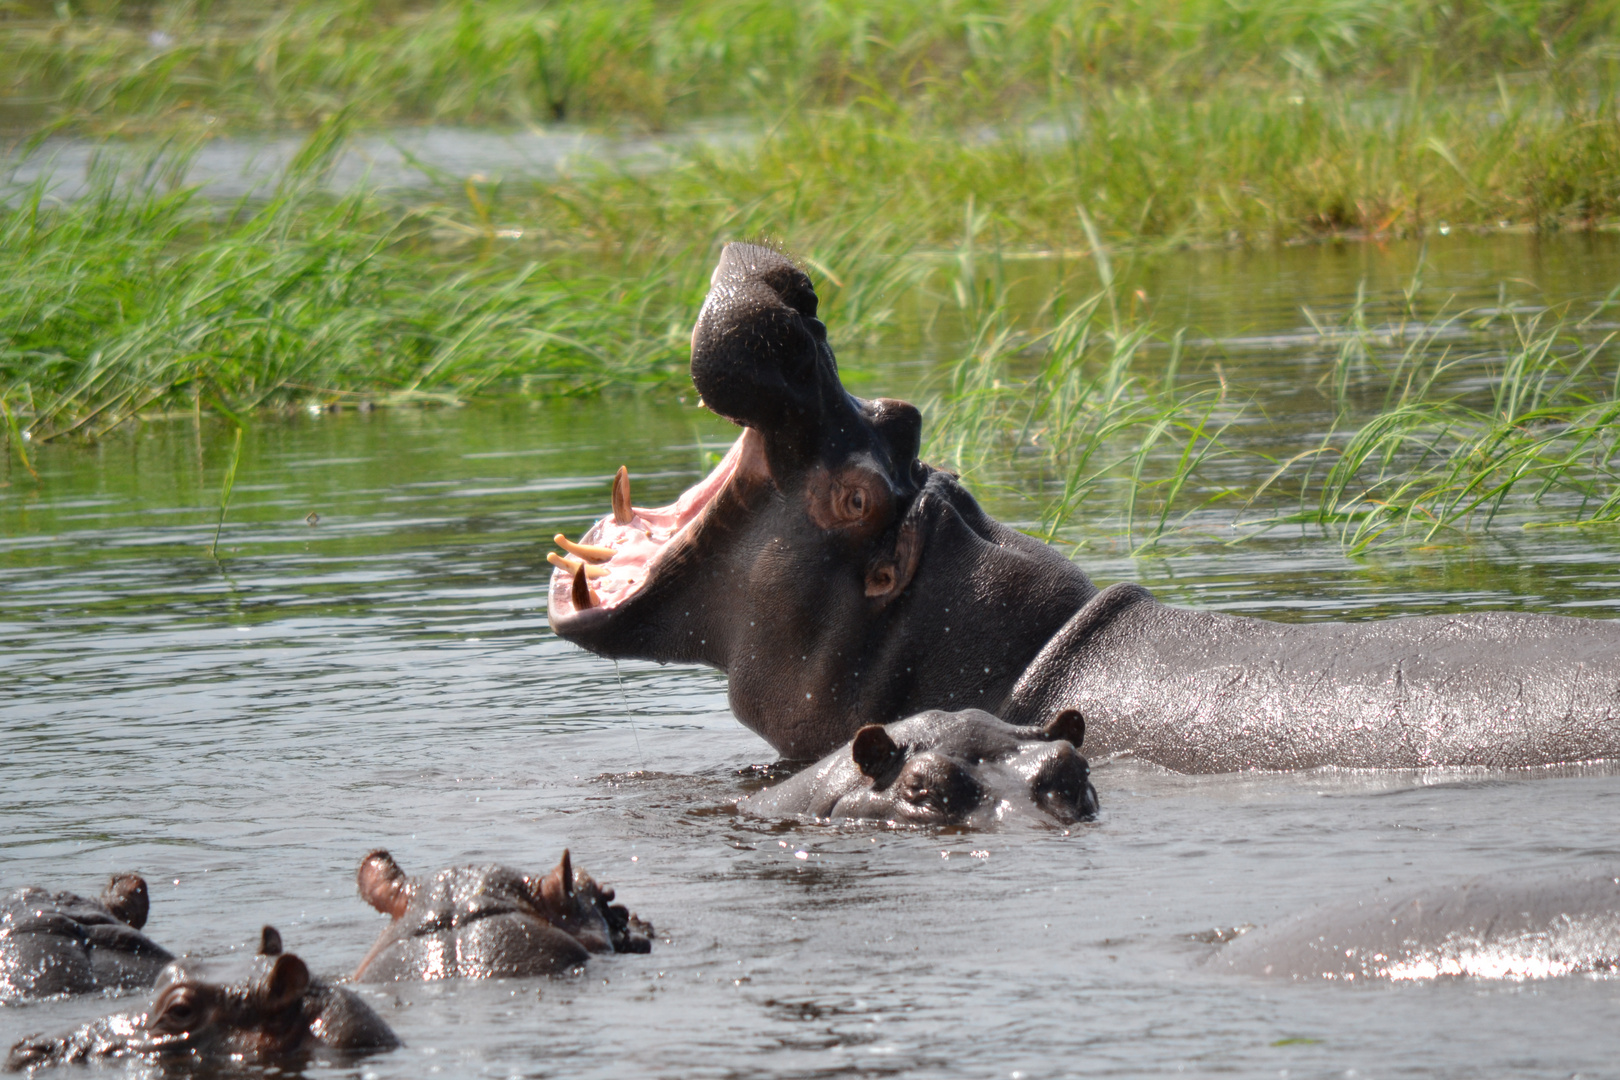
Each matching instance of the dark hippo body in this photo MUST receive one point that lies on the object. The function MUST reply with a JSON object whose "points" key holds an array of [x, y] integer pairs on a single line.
{"points": [[1519, 927], [482, 922], [63, 943], [939, 768], [839, 581], [274, 1013]]}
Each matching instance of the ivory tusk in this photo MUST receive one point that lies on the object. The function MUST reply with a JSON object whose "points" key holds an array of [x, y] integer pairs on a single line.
{"points": [[563, 562], [585, 551], [621, 496], [582, 590]]}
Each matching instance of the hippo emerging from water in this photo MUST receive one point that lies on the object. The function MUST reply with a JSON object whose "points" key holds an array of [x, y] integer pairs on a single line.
{"points": [[941, 768], [63, 943], [1528, 926], [481, 922], [273, 1013], [839, 582]]}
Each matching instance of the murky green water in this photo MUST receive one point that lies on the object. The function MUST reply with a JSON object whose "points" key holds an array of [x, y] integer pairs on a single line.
{"points": [[243, 729]]}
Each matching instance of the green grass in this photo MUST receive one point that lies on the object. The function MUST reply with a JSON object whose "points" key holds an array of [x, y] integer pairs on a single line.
{"points": [[107, 66], [907, 153], [1106, 417]]}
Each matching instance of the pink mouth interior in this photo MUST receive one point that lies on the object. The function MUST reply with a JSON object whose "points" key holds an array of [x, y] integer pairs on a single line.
{"points": [[637, 544]]}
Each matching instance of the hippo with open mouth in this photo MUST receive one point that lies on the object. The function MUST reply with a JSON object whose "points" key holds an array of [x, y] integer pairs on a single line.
{"points": [[1514, 927], [940, 768], [490, 922], [63, 943], [273, 1013], [839, 582]]}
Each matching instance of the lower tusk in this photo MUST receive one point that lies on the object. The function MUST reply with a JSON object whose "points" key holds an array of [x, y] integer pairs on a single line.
{"points": [[621, 496], [584, 551], [582, 590], [562, 562]]}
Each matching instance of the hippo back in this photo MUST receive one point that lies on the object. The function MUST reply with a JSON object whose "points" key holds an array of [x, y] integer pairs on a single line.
{"points": [[1506, 927]]}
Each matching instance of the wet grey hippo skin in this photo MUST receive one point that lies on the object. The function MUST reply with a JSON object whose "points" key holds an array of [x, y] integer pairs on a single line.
{"points": [[480, 922], [941, 768], [62, 943], [839, 582], [272, 1013], [1527, 926]]}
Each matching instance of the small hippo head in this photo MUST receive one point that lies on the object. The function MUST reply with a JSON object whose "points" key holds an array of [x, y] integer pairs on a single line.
{"points": [[500, 921], [204, 1006], [263, 1012], [941, 768]]}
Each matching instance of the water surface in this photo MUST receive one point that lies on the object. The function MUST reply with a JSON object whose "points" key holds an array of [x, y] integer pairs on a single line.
{"points": [[242, 729]]}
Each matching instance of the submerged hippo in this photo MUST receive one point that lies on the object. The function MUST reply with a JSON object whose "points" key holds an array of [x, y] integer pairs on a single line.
{"points": [[273, 1013], [63, 943], [1520, 927], [940, 768], [839, 582], [482, 922]]}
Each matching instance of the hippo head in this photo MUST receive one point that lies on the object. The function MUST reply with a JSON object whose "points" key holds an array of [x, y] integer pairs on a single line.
{"points": [[207, 1006], [490, 921], [835, 578], [943, 768], [265, 1010]]}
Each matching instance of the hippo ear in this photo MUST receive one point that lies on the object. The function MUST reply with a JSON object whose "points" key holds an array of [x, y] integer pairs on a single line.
{"points": [[286, 982], [126, 897], [888, 575], [269, 942], [874, 751], [383, 884], [557, 887], [1068, 724]]}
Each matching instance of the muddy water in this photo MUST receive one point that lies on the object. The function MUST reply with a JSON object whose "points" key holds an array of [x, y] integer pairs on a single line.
{"points": [[242, 729]]}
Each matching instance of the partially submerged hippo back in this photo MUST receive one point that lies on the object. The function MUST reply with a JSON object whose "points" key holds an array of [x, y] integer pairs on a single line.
{"points": [[1520, 927], [944, 768], [274, 1012], [479, 922], [63, 943]]}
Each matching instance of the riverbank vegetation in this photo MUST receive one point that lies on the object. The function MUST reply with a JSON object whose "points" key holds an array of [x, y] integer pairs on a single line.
{"points": [[884, 143]]}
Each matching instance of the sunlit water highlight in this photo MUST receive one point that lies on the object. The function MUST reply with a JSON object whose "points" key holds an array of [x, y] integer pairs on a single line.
{"points": [[243, 730]]}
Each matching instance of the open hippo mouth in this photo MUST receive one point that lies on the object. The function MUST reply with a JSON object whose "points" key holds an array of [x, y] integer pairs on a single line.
{"points": [[624, 550], [805, 565]]}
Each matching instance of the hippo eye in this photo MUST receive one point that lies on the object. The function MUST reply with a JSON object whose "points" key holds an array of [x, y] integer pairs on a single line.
{"points": [[183, 1011]]}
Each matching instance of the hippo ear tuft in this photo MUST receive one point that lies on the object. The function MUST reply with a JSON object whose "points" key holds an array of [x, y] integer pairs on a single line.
{"points": [[874, 751], [383, 884], [565, 870], [286, 982], [269, 942], [1068, 724]]}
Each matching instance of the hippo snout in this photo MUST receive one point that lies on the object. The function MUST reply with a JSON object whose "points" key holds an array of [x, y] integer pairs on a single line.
{"points": [[1061, 784]]}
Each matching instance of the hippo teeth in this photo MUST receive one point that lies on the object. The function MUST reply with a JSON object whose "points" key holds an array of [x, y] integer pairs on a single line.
{"points": [[621, 496], [582, 590], [588, 552], [615, 556], [574, 566]]}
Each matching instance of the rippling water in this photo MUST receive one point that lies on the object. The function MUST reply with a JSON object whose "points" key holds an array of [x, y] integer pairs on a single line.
{"points": [[242, 730]]}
